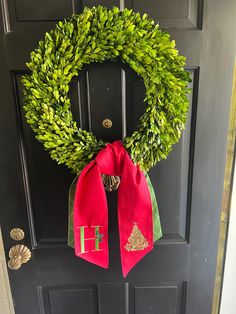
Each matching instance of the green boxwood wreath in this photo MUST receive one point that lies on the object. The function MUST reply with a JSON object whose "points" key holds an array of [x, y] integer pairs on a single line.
{"points": [[95, 35]]}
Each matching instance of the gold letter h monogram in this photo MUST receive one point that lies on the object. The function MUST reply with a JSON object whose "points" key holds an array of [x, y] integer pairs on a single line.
{"points": [[96, 239]]}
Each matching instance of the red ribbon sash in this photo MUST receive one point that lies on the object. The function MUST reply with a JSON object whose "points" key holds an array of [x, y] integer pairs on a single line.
{"points": [[134, 210]]}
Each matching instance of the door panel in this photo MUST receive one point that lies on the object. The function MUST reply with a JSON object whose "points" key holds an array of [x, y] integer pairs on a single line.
{"points": [[158, 299], [182, 14], [177, 276], [26, 10]]}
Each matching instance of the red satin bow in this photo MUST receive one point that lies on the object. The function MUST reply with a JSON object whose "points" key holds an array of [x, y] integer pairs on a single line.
{"points": [[134, 210]]}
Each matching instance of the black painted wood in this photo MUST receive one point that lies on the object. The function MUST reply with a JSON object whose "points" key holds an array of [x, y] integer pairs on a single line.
{"points": [[108, 105], [72, 301], [32, 10], [178, 275], [182, 14], [152, 300], [113, 298]]}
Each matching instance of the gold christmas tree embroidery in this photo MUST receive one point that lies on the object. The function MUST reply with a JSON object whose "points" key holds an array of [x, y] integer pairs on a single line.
{"points": [[136, 241]]}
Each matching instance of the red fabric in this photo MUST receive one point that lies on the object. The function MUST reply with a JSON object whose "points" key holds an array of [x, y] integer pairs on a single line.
{"points": [[134, 207]]}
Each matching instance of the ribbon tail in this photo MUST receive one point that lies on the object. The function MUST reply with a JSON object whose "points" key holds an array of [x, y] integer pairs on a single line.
{"points": [[126, 267], [157, 230], [70, 235], [91, 217], [135, 216]]}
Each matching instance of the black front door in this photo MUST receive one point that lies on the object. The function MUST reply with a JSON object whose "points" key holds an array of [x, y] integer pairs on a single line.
{"points": [[177, 277]]}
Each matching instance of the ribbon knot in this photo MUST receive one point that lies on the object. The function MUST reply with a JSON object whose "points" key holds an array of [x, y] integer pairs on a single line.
{"points": [[135, 217], [110, 160]]}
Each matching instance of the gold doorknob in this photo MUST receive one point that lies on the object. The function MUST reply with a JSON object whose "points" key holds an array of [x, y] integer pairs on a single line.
{"points": [[19, 254], [107, 123], [17, 234]]}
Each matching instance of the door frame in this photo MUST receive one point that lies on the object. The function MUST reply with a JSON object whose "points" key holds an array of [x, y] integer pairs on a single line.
{"points": [[226, 200]]}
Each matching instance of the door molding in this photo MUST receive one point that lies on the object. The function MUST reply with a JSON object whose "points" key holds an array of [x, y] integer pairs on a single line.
{"points": [[226, 199]]}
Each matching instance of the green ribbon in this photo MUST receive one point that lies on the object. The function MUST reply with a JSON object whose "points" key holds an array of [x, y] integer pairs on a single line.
{"points": [[70, 239], [157, 231]]}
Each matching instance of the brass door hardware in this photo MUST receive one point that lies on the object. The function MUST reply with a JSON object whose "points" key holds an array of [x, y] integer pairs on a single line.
{"points": [[17, 234], [19, 254], [111, 183], [107, 123]]}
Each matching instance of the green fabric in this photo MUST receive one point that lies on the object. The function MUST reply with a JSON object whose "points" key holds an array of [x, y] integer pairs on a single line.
{"points": [[157, 231], [70, 239]]}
